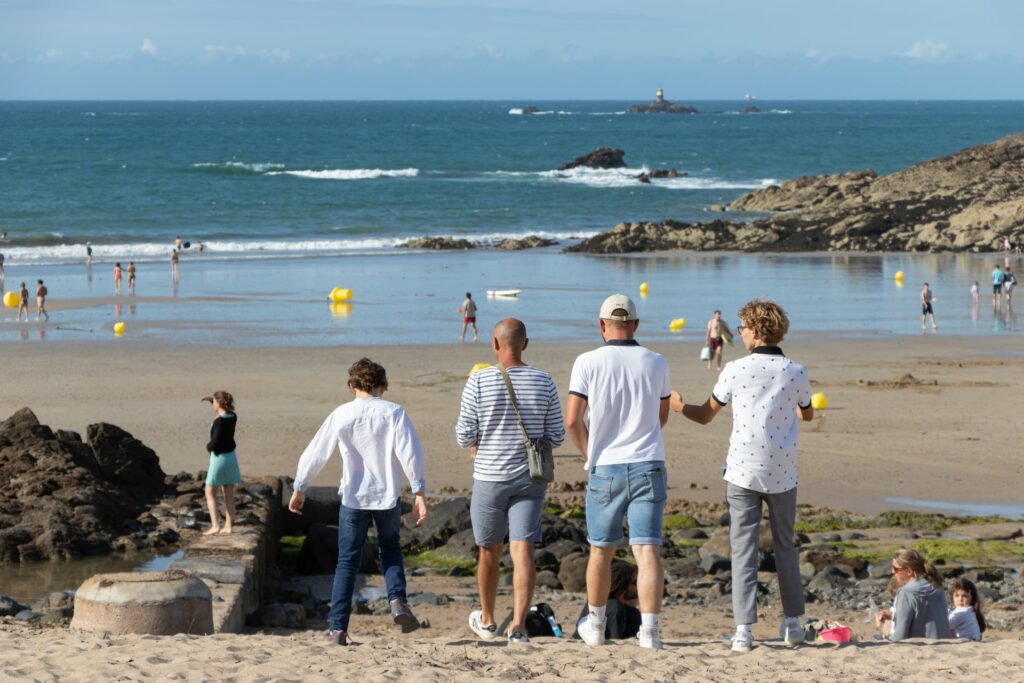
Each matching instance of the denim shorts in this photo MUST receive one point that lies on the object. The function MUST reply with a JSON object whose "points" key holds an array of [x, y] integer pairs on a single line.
{"points": [[515, 505], [636, 490]]}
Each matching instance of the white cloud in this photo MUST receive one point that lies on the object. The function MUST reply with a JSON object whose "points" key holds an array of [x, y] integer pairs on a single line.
{"points": [[926, 49], [51, 55], [489, 50], [214, 53], [148, 47], [276, 54]]}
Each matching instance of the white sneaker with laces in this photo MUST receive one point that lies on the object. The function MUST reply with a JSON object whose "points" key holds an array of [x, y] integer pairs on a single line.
{"points": [[649, 638], [591, 634], [742, 641], [476, 625], [792, 632]]}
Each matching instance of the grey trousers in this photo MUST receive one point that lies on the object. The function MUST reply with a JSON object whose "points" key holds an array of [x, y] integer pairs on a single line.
{"points": [[745, 515]]}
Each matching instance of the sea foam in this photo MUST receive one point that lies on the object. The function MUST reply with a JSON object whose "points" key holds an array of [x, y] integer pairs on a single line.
{"points": [[351, 173]]}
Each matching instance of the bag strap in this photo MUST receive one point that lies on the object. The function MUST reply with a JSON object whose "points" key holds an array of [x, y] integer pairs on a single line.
{"points": [[515, 403]]}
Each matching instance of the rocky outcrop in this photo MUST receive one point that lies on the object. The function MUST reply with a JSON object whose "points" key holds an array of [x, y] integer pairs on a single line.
{"points": [[62, 498], [646, 176], [751, 110], [602, 157], [662, 106], [528, 242], [962, 202], [530, 110], [437, 243]]}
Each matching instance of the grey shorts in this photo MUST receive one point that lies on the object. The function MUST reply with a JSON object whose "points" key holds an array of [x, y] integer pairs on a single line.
{"points": [[515, 505]]}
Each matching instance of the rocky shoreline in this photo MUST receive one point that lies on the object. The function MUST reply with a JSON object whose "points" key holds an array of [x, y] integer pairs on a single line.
{"points": [[964, 202]]}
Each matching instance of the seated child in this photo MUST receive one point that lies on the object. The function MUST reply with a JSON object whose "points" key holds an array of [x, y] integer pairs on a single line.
{"points": [[966, 619]]}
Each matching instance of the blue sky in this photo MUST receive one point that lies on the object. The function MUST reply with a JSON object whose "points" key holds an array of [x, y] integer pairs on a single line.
{"points": [[524, 50]]}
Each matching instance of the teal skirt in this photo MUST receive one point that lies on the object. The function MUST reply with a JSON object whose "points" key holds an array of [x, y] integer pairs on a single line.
{"points": [[223, 470]]}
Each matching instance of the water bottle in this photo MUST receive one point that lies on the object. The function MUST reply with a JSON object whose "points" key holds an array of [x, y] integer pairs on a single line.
{"points": [[555, 627]]}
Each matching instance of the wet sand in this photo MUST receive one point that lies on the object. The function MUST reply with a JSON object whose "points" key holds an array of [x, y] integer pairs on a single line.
{"points": [[949, 433]]}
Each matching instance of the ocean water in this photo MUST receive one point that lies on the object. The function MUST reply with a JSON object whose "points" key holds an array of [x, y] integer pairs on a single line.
{"points": [[295, 198]]}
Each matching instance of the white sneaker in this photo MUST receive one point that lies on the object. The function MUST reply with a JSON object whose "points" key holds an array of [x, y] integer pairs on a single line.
{"points": [[792, 633], [649, 638], [489, 632], [591, 634], [742, 641]]}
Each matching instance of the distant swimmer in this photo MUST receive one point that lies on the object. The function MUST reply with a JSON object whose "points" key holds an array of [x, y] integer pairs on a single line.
{"points": [[715, 337], [3, 238], [200, 246], [117, 278], [926, 307], [131, 278], [23, 302], [468, 312], [88, 254], [178, 244], [1, 267], [997, 284], [41, 293]]}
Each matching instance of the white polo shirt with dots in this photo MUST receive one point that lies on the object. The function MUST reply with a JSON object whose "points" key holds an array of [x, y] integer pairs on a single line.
{"points": [[765, 389]]}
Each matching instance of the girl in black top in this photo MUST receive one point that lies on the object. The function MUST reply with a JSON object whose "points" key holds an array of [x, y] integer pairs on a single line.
{"points": [[223, 472]]}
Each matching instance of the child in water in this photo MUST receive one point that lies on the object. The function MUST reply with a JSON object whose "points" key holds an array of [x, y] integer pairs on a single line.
{"points": [[966, 619]]}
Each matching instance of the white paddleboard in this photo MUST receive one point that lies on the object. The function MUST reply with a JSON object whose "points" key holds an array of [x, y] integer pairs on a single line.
{"points": [[503, 293]]}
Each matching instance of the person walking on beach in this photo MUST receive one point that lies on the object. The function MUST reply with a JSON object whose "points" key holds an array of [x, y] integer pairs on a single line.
{"points": [[1009, 280], [41, 293], [223, 473], [468, 312], [975, 291], [117, 277], [926, 307], [506, 500], [1, 269], [714, 338], [997, 284], [131, 278], [88, 254], [377, 442], [174, 266], [23, 302], [769, 392], [626, 388]]}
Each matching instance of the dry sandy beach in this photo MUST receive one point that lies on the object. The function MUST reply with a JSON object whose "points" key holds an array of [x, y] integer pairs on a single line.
{"points": [[951, 437], [948, 433]]}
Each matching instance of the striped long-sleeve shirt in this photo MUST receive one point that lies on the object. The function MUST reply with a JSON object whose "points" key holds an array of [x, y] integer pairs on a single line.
{"points": [[488, 419]]}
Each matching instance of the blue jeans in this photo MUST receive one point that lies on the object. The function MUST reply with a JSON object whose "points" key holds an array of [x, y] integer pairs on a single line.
{"points": [[637, 490], [352, 527]]}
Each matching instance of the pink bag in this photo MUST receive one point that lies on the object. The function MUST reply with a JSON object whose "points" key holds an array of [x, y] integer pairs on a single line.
{"points": [[837, 634]]}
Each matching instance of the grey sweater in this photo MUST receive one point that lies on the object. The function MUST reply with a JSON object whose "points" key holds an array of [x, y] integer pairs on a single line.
{"points": [[919, 611]]}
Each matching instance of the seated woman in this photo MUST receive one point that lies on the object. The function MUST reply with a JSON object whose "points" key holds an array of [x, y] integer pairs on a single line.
{"points": [[623, 616], [919, 608]]}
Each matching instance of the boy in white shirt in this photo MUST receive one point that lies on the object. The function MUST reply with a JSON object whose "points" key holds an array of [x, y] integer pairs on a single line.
{"points": [[769, 393], [377, 442]]}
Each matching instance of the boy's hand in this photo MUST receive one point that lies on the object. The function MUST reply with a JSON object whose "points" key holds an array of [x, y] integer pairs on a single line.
{"points": [[297, 501], [675, 402], [419, 509]]}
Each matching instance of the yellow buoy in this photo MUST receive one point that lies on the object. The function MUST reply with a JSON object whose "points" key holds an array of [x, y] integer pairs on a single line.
{"points": [[898, 276], [819, 401], [478, 367], [118, 329], [677, 324], [11, 299], [339, 294], [643, 289]]}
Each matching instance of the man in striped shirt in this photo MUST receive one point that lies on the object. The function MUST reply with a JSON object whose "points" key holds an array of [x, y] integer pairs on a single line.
{"points": [[505, 498]]}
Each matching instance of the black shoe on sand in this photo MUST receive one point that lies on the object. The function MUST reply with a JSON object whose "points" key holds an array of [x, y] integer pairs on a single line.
{"points": [[336, 637], [403, 616]]}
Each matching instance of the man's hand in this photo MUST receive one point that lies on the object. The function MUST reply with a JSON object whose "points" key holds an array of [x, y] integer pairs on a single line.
{"points": [[297, 501], [472, 451], [675, 402], [419, 509]]}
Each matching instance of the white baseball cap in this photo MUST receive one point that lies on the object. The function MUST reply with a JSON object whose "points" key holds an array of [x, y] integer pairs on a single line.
{"points": [[618, 302]]}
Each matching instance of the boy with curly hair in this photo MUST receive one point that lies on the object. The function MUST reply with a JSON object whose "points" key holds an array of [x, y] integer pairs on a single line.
{"points": [[769, 392]]}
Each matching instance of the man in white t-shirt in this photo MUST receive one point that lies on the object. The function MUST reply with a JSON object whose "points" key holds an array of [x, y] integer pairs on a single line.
{"points": [[626, 388], [769, 392]]}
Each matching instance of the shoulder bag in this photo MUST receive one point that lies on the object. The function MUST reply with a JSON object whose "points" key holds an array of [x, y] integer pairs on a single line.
{"points": [[538, 451]]}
